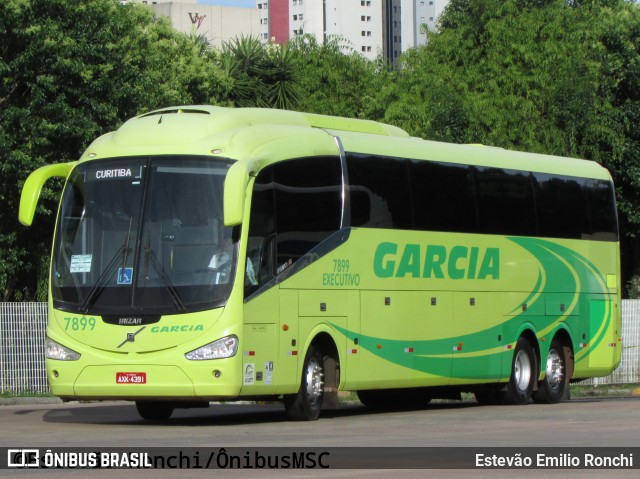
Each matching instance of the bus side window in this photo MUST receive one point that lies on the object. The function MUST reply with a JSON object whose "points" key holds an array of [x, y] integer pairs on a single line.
{"points": [[295, 205], [562, 206], [443, 196], [259, 267], [385, 181], [308, 205], [506, 203]]}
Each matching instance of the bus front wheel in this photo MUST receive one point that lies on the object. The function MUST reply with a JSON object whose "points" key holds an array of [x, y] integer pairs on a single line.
{"points": [[307, 403], [523, 373]]}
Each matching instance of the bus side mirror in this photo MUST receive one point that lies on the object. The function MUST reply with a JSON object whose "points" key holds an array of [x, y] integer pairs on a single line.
{"points": [[235, 186], [33, 186]]}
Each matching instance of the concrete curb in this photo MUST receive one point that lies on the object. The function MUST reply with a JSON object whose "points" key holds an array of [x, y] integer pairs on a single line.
{"points": [[22, 400]]}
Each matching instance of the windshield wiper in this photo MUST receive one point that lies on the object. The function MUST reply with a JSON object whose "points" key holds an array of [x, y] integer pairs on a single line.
{"points": [[162, 274], [106, 272]]}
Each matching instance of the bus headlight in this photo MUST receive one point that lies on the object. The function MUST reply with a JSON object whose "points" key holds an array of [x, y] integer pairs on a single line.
{"points": [[222, 348], [54, 350]]}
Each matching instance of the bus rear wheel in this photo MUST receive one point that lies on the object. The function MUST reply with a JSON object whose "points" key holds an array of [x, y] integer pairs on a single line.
{"points": [[552, 388], [523, 374], [307, 403], [154, 410]]}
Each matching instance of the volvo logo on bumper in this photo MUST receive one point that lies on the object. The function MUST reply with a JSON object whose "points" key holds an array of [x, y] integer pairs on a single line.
{"points": [[131, 337]]}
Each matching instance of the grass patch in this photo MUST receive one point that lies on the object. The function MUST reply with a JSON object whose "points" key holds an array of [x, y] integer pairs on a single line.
{"points": [[608, 390], [12, 394]]}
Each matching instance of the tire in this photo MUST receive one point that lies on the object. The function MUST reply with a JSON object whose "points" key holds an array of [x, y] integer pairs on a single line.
{"points": [[154, 410], [552, 389], [523, 374], [307, 403]]}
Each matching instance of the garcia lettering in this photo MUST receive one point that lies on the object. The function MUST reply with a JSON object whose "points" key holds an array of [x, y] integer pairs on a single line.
{"points": [[185, 328], [436, 261]]}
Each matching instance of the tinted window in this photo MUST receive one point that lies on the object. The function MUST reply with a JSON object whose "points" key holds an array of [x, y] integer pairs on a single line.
{"points": [[602, 210], [308, 196], [262, 232], [562, 206], [443, 197], [430, 196], [505, 202], [295, 205], [379, 191]]}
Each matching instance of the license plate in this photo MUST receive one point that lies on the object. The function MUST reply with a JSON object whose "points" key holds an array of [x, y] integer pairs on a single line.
{"points": [[131, 378]]}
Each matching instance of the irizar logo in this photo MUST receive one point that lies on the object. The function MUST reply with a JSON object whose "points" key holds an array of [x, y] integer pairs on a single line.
{"points": [[436, 261]]}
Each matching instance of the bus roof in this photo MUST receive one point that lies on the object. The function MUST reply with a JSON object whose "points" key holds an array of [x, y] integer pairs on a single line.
{"points": [[263, 136]]}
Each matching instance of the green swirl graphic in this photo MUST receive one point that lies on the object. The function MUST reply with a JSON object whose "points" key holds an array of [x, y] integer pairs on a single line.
{"points": [[561, 271]]}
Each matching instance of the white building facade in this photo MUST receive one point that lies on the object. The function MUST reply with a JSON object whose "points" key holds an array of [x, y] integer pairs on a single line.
{"points": [[371, 27], [218, 24]]}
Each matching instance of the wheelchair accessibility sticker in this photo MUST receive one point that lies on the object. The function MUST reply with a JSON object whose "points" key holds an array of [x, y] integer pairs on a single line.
{"points": [[125, 275]]}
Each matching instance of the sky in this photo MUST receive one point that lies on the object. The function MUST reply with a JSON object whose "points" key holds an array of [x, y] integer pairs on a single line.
{"points": [[230, 3]]}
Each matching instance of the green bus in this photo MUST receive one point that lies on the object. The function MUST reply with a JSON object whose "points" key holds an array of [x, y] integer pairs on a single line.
{"points": [[204, 253]]}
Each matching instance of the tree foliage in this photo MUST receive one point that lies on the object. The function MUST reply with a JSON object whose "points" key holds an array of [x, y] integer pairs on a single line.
{"points": [[71, 70], [336, 80], [260, 75]]}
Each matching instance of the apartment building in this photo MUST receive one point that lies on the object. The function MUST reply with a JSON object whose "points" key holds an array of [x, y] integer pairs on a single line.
{"points": [[218, 23], [371, 27]]}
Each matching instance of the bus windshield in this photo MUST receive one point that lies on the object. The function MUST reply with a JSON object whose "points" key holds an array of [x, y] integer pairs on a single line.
{"points": [[143, 234]]}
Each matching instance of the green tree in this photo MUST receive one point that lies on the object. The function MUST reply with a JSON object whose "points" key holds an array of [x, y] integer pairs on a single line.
{"points": [[260, 75], [71, 70], [336, 80]]}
